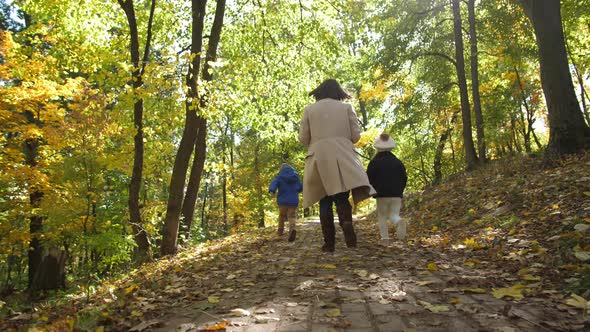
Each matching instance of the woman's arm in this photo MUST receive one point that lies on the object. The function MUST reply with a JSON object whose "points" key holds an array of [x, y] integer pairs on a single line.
{"points": [[304, 131], [355, 132]]}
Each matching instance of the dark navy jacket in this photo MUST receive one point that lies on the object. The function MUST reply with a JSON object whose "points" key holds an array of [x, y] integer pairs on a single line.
{"points": [[288, 185], [387, 175]]}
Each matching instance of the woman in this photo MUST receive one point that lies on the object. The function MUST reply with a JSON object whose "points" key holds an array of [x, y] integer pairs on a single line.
{"points": [[329, 128]]}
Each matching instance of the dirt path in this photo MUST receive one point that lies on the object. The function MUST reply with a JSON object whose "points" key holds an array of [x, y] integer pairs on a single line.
{"points": [[295, 287]]}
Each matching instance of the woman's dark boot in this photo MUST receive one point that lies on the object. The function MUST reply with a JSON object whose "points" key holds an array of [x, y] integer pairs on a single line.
{"points": [[345, 219], [292, 235], [329, 231]]}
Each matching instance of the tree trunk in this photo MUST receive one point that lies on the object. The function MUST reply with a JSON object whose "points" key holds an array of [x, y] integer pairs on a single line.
{"points": [[193, 120], [194, 182], [144, 252], [362, 108], [259, 184], [528, 127], [189, 134], [190, 200], [568, 132], [525, 130], [203, 206], [513, 133], [583, 93], [481, 144], [470, 156], [35, 247], [437, 165]]}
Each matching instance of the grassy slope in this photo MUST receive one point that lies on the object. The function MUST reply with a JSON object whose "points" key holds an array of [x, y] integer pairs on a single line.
{"points": [[514, 213]]}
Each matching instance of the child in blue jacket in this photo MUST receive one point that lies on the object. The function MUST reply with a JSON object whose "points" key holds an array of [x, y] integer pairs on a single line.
{"points": [[288, 185]]}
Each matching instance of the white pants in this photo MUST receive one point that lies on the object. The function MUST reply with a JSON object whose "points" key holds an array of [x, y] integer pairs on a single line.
{"points": [[388, 210]]}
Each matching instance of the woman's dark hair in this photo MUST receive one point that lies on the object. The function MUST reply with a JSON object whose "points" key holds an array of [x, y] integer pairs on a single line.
{"points": [[329, 89]]}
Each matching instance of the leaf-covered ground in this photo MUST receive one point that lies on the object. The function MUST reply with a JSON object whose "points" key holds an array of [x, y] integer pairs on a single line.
{"points": [[500, 249]]}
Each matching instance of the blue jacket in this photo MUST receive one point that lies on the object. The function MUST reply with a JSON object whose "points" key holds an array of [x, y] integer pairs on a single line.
{"points": [[288, 185]]}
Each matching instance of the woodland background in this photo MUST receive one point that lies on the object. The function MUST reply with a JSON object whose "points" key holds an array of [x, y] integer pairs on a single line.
{"points": [[131, 127]]}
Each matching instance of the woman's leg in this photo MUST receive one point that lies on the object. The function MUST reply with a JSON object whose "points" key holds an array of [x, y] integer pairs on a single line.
{"points": [[327, 222], [344, 210]]}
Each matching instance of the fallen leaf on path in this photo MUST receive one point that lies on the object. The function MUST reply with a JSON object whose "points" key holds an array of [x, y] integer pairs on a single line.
{"points": [[333, 313], [130, 289], [212, 299], [432, 267], [529, 277], [239, 312], [361, 273], [514, 292], [185, 327], [582, 255], [436, 308], [578, 302], [220, 326], [304, 285], [265, 319], [424, 283], [328, 266], [474, 290]]}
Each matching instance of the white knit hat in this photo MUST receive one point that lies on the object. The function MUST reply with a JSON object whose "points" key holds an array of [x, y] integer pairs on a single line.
{"points": [[384, 143]]}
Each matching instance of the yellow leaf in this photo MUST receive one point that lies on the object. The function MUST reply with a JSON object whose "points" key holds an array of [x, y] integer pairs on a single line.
{"points": [[212, 299], [433, 307], [474, 290], [514, 292], [333, 313], [455, 301], [130, 289], [214, 327], [434, 228], [530, 277], [432, 267], [328, 266], [361, 273], [424, 283], [99, 329], [578, 302]]}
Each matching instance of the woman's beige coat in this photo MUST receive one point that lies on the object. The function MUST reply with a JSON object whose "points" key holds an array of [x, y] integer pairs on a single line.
{"points": [[329, 129]]}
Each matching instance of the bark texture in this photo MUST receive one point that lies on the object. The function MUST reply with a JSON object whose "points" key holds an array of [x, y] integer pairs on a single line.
{"points": [[568, 132], [470, 156]]}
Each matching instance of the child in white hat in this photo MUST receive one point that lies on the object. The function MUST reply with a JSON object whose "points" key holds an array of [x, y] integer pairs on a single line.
{"points": [[387, 175]]}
